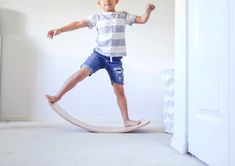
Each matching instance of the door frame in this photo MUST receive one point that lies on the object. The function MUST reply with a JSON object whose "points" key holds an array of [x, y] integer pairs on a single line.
{"points": [[179, 140], [0, 77], [232, 82]]}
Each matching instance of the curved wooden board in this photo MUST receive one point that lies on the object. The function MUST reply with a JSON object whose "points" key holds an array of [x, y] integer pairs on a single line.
{"points": [[97, 129]]}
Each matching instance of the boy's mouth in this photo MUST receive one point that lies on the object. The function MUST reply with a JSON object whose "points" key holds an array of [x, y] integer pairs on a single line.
{"points": [[108, 4]]}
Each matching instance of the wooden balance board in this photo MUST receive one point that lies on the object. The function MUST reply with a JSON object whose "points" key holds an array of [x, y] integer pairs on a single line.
{"points": [[97, 129]]}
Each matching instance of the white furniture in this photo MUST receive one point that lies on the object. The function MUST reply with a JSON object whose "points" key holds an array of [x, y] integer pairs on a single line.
{"points": [[167, 77]]}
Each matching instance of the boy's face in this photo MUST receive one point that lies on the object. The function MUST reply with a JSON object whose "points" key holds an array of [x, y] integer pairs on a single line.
{"points": [[108, 5]]}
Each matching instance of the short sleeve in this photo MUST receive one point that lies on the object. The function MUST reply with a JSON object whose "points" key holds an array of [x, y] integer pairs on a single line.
{"points": [[129, 18], [91, 20]]}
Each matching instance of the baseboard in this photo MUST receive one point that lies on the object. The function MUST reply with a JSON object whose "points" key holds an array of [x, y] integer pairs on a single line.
{"points": [[179, 146], [58, 119], [10, 118]]}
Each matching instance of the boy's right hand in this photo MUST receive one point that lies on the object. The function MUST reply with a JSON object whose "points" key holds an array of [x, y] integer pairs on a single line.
{"points": [[150, 7], [53, 33]]}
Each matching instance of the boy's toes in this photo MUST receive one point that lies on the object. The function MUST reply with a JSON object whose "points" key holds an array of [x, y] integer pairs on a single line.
{"points": [[132, 123], [51, 99]]}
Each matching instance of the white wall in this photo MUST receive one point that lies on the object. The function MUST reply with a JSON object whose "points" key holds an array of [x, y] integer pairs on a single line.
{"points": [[33, 65]]}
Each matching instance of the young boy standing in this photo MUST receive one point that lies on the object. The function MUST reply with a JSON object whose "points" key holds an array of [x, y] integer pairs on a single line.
{"points": [[109, 50]]}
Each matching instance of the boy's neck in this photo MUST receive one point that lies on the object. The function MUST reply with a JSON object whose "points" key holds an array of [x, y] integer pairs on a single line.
{"points": [[109, 11]]}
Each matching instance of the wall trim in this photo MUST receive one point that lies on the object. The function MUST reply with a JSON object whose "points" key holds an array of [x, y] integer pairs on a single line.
{"points": [[0, 77], [179, 141], [179, 146], [231, 83], [58, 119]]}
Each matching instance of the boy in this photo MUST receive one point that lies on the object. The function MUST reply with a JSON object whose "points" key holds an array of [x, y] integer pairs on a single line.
{"points": [[108, 53]]}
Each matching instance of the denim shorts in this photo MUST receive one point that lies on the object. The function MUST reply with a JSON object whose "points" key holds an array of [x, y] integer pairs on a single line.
{"points": [[113, 65]]}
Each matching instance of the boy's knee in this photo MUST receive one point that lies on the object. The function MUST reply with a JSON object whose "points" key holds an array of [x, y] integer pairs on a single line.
{"points": [[81, 74], [120, 94], [84, 72], [119, 91]]}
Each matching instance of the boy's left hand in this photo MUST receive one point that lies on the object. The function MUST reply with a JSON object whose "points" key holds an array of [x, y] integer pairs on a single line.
{"points": [[150, 7]]}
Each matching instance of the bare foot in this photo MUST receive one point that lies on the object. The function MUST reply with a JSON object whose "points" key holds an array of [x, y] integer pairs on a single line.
{"points": [[129, 123], [52, 99]]}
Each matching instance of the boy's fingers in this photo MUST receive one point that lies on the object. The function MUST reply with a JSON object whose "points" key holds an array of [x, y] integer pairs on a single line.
{"points": [[151, 6], [55, 33], [51, 34]]}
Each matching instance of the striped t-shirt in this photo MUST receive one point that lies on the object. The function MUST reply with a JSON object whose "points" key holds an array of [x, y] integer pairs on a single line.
{"points": [[110, 28]]}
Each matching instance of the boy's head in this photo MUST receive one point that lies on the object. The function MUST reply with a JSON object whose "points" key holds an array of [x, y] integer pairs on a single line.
{"points": [[108, 5]]}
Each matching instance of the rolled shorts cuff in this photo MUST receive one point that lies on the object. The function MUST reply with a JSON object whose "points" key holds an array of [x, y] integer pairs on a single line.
{"points": [[88, 68]]}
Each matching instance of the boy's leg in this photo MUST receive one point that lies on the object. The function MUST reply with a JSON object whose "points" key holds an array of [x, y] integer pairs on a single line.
{"points": [[122, 103], [93, 63], [69, 84]]}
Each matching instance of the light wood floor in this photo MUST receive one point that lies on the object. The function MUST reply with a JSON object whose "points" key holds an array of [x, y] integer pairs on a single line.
{"points": [[62, 144]]}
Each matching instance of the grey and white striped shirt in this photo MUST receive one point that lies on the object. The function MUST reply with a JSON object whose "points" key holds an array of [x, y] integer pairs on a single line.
{"points": [[110, 28]]}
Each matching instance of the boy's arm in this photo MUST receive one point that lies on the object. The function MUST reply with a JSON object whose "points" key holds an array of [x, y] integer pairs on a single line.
{"points": [[69, 27], [144, 18]]}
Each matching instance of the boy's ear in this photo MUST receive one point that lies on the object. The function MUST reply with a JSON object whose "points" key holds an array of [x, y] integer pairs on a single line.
{"points": [[117, 1], [98, 2]]}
